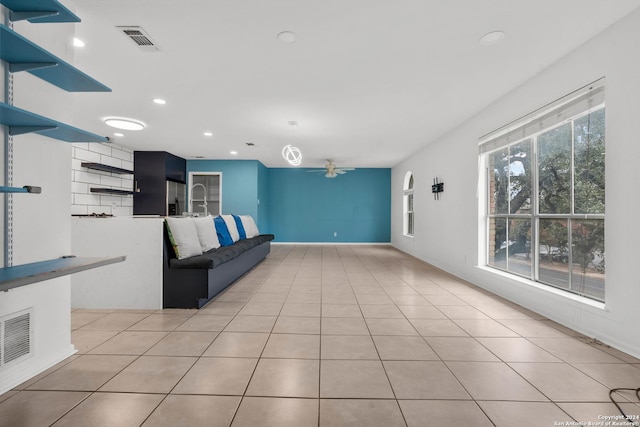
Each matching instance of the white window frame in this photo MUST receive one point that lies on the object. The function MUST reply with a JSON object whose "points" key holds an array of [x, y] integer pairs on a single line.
{"points": [[408, 206], [190, 201], [577, 104]]}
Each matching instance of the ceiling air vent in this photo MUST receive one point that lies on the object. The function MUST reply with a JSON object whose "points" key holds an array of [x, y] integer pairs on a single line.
{"points": [[140, 37]]}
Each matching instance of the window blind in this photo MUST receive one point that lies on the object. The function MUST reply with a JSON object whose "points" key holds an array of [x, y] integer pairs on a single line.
{"points": [[554, 113]]}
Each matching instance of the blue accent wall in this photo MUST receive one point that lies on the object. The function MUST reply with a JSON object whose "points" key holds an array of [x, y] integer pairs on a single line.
{"points": [[297, 206], [263, 197], [307, 207]]}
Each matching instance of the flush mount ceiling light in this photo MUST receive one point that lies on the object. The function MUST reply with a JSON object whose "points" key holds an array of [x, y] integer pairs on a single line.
{"points": [[492, 38], [292, 155], [77, 42], [286, 37], [159, 101], [122, 123]]}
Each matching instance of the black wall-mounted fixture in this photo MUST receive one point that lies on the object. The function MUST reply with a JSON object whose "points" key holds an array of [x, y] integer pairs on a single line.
{"points": [[437, 188]]}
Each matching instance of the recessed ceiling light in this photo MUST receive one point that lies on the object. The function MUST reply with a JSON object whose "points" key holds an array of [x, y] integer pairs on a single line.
{"points": [[77, 42], [122, 123], [118, 134], [492, 38], [208, 134], [233, 153], [159, 101], [287, 37]]}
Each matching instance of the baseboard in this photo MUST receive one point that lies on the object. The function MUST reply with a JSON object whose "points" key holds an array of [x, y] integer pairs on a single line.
{"points": [[334, 243], [15, 375]]}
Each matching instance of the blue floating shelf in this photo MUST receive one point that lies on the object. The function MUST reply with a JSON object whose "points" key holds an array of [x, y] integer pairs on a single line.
{"points": [[22, 121], [25, 274], [39, 11], [25, 189], [23, 55]]}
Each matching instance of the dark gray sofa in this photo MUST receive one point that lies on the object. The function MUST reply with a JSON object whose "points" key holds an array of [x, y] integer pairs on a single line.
{"points": [[194, 281]]}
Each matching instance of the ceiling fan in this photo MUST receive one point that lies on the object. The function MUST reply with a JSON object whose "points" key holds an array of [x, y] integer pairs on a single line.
{"points": [[331, 170]]}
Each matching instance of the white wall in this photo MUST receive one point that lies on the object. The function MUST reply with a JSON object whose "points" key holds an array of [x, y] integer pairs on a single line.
{"points": [[41, 222], [446, 231]]}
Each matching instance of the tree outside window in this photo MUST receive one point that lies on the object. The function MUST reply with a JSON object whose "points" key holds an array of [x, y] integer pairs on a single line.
{"points": [[546, 206]]}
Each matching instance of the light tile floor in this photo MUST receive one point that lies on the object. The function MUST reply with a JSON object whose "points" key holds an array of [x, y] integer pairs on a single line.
{"points": [[329, 336]]}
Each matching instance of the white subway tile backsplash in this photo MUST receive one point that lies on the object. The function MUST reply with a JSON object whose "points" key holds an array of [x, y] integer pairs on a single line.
{"points": [[79, 210], [98, 209], [90, 178], [110, 200], [86, 155], [83, 145], [76, 164], [79, 187], [82, 200], [111, 161], [122, 211], [86, 199], [122, 155], [101, 148], [111, 181]]}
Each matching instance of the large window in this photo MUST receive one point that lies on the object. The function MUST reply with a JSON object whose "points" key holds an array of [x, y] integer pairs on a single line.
{"points": [[545, 190], [408, 218]]}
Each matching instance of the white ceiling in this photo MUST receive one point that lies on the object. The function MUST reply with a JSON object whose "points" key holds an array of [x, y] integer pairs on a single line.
{"points": [[369, 81]]}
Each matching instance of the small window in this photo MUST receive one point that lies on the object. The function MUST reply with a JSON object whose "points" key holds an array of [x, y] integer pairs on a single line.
{"points": [[408, 217]]}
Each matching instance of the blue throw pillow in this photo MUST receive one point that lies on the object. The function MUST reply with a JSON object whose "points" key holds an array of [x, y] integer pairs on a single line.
{"points": [[223, 232], [241, 232]]}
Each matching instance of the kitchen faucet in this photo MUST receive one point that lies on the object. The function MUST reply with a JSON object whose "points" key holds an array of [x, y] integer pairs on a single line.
{"points": [[204, 197]]}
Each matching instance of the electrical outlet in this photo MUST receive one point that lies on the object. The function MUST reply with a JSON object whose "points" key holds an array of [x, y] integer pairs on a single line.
{"points": [[335, 234]]}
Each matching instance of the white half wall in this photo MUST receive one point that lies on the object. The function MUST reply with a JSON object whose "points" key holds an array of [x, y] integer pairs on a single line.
{"points": [[135, 283], [446, 231]]}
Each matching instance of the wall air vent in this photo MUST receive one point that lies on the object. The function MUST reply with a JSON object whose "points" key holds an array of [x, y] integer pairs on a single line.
{"points": [[140, 37], [15, 337]]}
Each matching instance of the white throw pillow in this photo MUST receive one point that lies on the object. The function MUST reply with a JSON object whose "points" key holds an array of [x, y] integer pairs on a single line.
{"points": [[206, 233], [250, 227], [231, 225], [184, 237]]}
